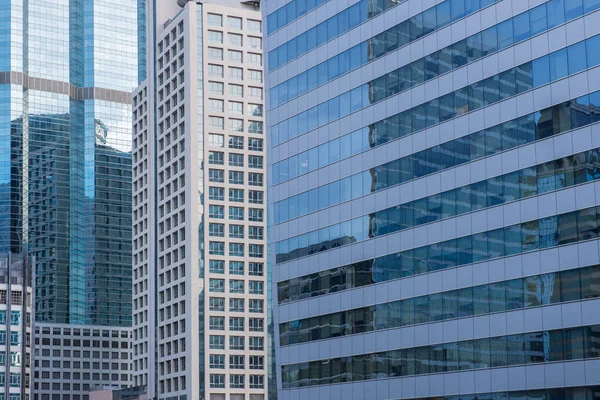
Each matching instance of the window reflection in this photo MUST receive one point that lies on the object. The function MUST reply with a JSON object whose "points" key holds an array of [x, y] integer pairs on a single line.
{"points": [[530, 348], [539, 125], [455, 252]]}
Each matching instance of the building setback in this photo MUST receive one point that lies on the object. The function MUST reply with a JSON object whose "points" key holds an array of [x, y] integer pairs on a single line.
{"points": [[433, 198], [199, 277]]}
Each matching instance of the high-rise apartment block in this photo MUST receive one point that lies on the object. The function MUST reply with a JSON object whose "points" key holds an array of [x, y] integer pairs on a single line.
{"points": [[16, 326], [434, 198], [199, 277], [67, 70]]}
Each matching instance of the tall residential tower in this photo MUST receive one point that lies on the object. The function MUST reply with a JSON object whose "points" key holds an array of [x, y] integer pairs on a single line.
{"points": [[199, 282], [433, 198]]}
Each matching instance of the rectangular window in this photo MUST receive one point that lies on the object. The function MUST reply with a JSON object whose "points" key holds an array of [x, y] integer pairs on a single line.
{"points": [[255, 232], [255, 269], [234, 39], [236, 107], [216, 193], [256, 324], [256, 287], [236, 231], [255, 92], [255, 215], [236, 382], [236, 305], [236, 249], [255, 197], [216, 211], [256, 306], [215, 105], [217, 342], [236, 125], [236, 268], [217, 248], [254, 59], [235, 56], [234, 22], [255, 144], [236, 195], [255, 75], [215, 20], [236, 343], [216, 157], [256, 362], [216, 175], [253, 25], [216, 304], [215, 140], [255, 179], [215, 37], [216, 122], [236, 142], [255, 162], [236, 286], [255, 110], [236, 73], [216, 323], [236, 362], [236, 160], [216, 285], [236, 90], [215, 87], [236, 324], [257, 381], [216, 266], [236, 177], [257, 343], [217, 380], [216, 230], [236, 213], [215, 70], [217, 361], [255, 127], [254, 43], [215, 53]]}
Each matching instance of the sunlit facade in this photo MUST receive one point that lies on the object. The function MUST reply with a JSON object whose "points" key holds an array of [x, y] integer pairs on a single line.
{"points": [[67, 69], [199, 274], [433, 198]]}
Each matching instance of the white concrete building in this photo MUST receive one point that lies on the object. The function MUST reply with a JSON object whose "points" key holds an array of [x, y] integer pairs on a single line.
{"points": [[199, 274]]}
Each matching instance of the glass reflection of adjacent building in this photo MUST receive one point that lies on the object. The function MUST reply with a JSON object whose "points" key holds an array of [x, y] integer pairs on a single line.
{"points": [[67, 69]]}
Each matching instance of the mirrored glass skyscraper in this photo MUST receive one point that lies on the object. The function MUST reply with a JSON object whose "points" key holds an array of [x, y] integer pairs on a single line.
{"points": [[433, 198], [67, 69]]}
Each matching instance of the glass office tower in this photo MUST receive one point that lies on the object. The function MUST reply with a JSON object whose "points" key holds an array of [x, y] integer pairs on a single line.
{"points": [[67, 69], [433, 201]]}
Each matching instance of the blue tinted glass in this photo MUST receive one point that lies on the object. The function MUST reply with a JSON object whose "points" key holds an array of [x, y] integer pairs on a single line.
{"points": [[522, 29], [505, 34], [592, 45], [577, 57], [574, 9], [590, 5], [538, 19], [458, 9], [541, 71], [559, 65], [556, 13]]}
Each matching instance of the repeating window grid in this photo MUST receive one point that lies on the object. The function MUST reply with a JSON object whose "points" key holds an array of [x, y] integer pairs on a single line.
{"points": [[228, 148]]}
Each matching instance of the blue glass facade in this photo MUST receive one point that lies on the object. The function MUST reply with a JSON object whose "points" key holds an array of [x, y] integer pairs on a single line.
{"points": [[67, 68], [433, 200]]}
